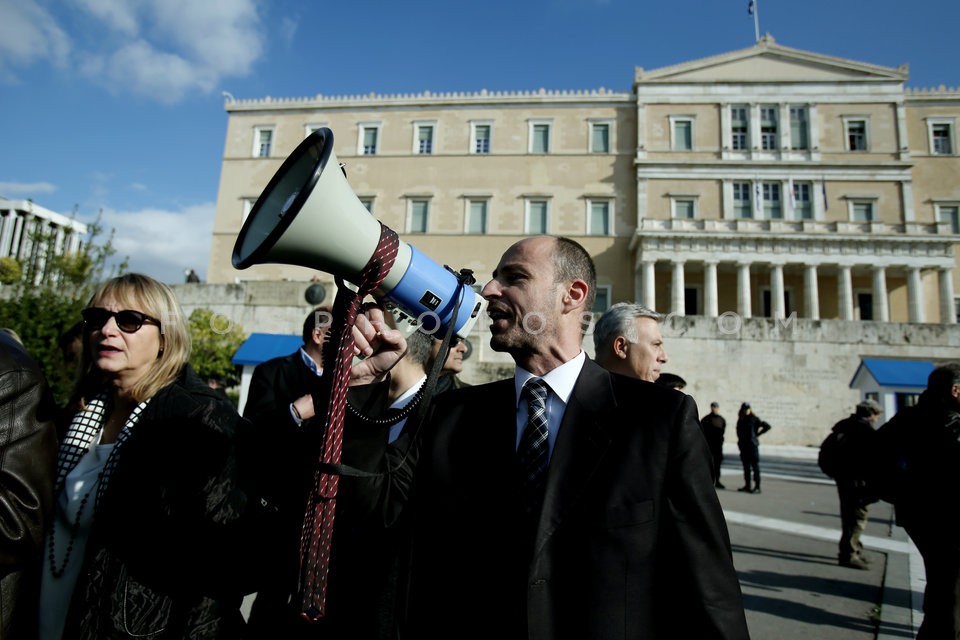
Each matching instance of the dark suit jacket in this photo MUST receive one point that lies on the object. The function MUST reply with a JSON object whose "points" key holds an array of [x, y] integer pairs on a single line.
{"points": [[290, 454], [631, 542], [363, 555], [274, 385]]}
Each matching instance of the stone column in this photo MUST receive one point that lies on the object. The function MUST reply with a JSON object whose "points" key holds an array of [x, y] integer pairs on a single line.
{"points": [[914, 295], [948, 314], [649, 285], [881, 307], [6, 225], [744, 306], [811, 292], [845, 292], [17, 233], [710, 303], [678, 300], [778, 308]]}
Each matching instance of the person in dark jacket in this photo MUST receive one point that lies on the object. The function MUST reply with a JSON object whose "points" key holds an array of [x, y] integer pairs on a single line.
{"points": [[749, 430], [28, 457], [915, 467], [856, 435], [714, 426], [603, 526], [151, 512], [365, 558], [280, 406]]}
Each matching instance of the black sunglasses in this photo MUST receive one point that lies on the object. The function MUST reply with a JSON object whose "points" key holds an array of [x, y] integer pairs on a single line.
{"points": [[128, 321]]}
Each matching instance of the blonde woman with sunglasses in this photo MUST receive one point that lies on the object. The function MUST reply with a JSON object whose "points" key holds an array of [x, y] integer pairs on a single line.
{"points": [[150, 512]]}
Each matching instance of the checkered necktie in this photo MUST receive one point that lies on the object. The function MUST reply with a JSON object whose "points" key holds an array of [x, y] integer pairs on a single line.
{"points": [[316, 535], [533, 451]]}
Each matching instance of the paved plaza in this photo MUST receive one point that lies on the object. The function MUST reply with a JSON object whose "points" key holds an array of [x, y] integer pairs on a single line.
{"points": [[785, 551]]}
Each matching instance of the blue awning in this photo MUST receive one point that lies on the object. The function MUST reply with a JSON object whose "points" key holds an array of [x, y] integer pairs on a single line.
{"points": [[260, 347], [896, 373]]}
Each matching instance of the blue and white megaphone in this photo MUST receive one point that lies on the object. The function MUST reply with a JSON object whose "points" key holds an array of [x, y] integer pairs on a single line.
{"points": [[309, 216]]}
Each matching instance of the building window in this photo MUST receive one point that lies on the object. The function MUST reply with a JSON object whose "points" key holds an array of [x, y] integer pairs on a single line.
{"points": [[951, 215], [799, 128], [739, 127], [941, 137], [681, 133], [262, 142], [862, 210], [856, 134], [369, 135], [599, 137], [247, 207], [598, 222], [691, 301], [477, 217], [742, 202], [768, 128], [772, 205], [537, 222], [367, 204], [768, 303], [684, 208], [419, 213], [480, 138], [602, 301], [539, 137], [310, 128], [423, 139], [802, 200], [864, 308]]}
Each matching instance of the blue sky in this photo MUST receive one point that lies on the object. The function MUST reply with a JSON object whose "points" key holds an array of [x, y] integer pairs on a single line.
{"points": [[117, 105]]}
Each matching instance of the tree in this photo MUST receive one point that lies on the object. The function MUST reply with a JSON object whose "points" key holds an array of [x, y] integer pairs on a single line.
{"points": [[215, 340], [43, 304], [10, 270]]}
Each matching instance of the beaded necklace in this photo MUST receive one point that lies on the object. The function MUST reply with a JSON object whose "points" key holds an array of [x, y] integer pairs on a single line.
{"points": [[402, 414], [74, 531]]}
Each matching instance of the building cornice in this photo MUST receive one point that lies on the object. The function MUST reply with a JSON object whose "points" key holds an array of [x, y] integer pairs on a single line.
{"points": [[766, 46], [809, 242], [28, 207], [431, 99]]}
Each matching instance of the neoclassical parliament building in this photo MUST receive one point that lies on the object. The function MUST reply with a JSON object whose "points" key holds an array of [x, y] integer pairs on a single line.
{"points": [[792, 213]]}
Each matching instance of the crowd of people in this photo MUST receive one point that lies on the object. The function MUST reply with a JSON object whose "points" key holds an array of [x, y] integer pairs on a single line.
{"points": [[573, 499]]}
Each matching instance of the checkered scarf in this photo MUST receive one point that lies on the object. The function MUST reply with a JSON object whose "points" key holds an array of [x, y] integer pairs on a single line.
{"points": [[83, 431]]}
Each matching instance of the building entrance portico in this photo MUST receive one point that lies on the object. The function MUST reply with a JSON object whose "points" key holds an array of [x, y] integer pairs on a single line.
{"points": [[814, 269]]}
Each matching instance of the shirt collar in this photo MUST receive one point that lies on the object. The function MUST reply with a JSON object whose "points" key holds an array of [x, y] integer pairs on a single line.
{"points": [[405, 397], [309, 363], [560, 380]]}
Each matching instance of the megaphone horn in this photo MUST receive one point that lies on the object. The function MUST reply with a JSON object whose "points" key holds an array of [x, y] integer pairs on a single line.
{"points": [[309, 216]]}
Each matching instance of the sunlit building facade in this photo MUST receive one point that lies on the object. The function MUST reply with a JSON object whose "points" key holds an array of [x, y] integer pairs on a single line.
{"points": [[767, 183]]}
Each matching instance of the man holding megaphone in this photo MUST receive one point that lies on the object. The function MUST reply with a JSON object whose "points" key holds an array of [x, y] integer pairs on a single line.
{"points": [[604, 525], [564, 502]]}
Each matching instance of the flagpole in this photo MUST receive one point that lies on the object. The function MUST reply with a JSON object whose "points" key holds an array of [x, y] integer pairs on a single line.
{"points": [[756, 19]]}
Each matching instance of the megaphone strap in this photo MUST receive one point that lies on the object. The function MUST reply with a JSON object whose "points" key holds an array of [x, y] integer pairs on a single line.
{"points": [[317, 532]]}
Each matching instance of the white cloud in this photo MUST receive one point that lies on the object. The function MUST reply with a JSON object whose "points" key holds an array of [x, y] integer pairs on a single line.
{"points": [[170, 48], [29, 34], [163, 244], [142, 69], [28, 189], [162, 49], [118, 14]]}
